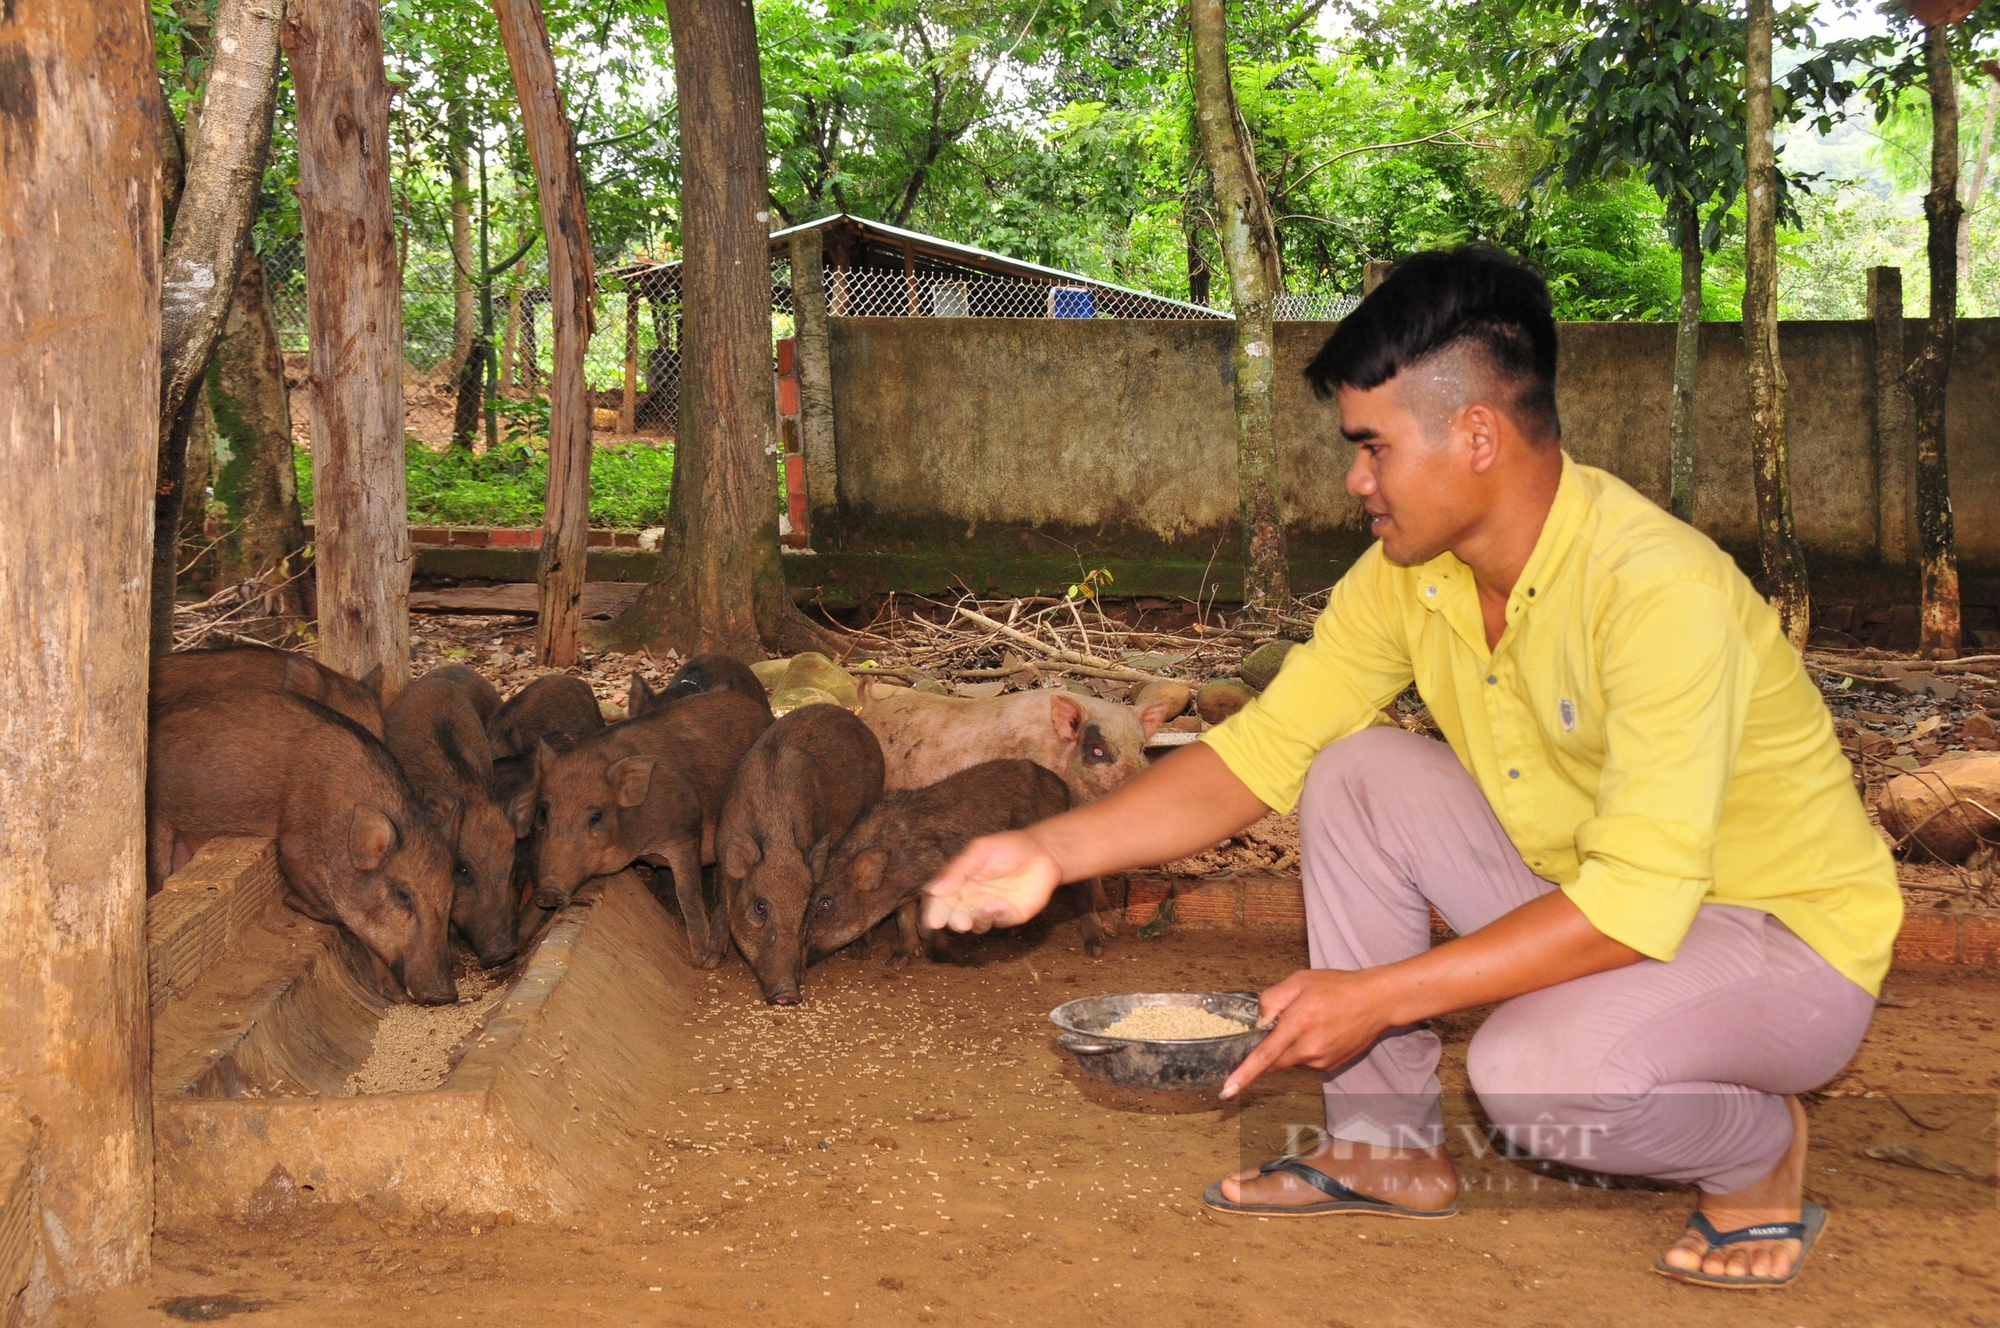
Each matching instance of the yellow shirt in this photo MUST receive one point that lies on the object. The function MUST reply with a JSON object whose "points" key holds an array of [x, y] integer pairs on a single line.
{"points": [[1643, 730]]}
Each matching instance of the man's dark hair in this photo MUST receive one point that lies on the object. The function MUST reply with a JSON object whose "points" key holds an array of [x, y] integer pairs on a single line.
{"points": [[1473, 295]]}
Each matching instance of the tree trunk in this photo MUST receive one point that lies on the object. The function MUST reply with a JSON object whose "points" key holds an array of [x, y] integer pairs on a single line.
{"points": [[79, 382], [471, 393], [256, 485], [1938, 625], [1250, 250], [225, 166], [197, 474], [464, 293], [355, 314], [815, 366], [1784, 566], [510, 342], [1687, 365], [719, 584], [572, 287]]}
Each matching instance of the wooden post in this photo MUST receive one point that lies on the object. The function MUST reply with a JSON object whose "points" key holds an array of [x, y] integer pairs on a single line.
{"points": [[1895, 461], [354, 307], [815, 372], [910, 276], [509, 344], [572, 287], [1373, 273], [628, 409], [1939, 626], [79, 402]]}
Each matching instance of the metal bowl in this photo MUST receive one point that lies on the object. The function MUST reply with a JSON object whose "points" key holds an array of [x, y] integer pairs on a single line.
{"points": [[1175, 1063]]}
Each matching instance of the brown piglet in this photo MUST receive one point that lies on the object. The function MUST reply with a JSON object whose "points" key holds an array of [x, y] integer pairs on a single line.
{"points": [[552, 703], [881, 865], [237, 669], [433, 730], [798, 789], [648, 790], [354, 842]]}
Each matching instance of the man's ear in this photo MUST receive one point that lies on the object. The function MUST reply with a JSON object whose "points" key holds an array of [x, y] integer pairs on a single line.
{"points": [[867, 869], [740, 854], [1481, 426], [371, 838], [1151, 716], [632, 779], [1065, 716]]}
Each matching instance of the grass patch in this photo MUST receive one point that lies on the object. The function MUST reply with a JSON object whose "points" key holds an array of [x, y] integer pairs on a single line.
{"points": [[629, 484]]}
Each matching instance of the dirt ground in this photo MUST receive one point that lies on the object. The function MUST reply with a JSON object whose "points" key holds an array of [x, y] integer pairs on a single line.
{"points": [[911, 1146]]}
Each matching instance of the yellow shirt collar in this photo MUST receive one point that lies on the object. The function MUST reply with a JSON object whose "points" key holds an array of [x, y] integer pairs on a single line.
{"points": [[1435, 581]]}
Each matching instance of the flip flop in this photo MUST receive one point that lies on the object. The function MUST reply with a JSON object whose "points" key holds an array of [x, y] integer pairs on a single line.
{"points": [[1340, 1201], [1812, 1221]]}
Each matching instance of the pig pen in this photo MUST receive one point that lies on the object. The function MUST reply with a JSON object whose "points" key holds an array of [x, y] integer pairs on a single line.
{"points": [[535, 1116]]}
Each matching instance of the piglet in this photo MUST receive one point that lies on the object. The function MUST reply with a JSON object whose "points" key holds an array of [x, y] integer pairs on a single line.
{"points": [[238, 669], [1094, 745], [799, 788], [881, 865], [552, 703], [648, 790], [711, 672], [354, 842], [433, 730], [485, 697]]}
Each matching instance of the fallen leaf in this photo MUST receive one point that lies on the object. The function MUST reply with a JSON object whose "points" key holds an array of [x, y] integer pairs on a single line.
{"points": [[1906, 1156]]}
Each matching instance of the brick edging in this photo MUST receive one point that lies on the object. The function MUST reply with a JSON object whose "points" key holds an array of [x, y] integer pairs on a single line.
{"points": [[1275, 900]]}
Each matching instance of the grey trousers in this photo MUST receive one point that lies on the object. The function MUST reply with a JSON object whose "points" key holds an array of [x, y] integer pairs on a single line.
{"points": [[1676, 1071]]}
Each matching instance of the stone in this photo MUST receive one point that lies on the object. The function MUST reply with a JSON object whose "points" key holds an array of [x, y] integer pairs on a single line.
{"points": [[930, 687], [1176, 696], [770, 671], [812, 669], [1219, 698], [1261, 665], [791, 698], [1944, 811], [1980, 727], [1185, 724]]}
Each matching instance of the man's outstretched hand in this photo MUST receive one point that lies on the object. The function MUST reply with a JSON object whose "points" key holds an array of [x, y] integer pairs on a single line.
{"points": [[998, 881]]}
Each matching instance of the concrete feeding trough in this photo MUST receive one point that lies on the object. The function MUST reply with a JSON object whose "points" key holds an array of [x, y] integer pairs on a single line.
{"points": [[537, 1113]]}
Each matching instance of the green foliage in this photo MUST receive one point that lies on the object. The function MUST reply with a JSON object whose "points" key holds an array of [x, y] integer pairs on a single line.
{"points": [[629, 484]]}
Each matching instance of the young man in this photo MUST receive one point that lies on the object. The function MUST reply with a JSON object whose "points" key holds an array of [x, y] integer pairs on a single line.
{"points": [[1642, 830]]}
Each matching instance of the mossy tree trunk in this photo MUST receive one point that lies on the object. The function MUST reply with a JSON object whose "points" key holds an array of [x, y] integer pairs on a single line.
{"points": [[1938, 629], [1687, 365], [256, 483], [1784, 566], [1250, 251]]}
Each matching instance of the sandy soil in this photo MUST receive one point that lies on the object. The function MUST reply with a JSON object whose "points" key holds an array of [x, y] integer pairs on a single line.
{"points": [[910, 1146]]}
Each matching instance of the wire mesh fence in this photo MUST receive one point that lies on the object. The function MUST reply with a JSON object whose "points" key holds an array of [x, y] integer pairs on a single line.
{"points": [[640, 321]]}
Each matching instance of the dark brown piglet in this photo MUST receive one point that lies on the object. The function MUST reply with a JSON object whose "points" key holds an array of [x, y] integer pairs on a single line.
{"points": [[553, 703], [881, 865], [798, 789], [228, 672], [485, 697], [711, 672], [355, 844], [648, 790], [434, 732]]}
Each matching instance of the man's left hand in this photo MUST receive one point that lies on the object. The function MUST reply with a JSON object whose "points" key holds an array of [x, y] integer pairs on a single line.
{"points": [[1324, 1020]]}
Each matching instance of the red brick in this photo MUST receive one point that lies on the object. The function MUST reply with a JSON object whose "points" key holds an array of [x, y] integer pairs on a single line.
{"points": [[1209, 904], [1928, 937], [429, 535], [515, 538], [597, 539], [1979, 939], [1273, 901]]}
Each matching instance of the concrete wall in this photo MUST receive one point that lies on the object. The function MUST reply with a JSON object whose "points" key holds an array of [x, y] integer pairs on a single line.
{"points": [[1116, 436]]}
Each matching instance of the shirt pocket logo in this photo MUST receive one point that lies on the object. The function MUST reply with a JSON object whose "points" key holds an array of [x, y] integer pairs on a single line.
{"points": [[1566, 711]]}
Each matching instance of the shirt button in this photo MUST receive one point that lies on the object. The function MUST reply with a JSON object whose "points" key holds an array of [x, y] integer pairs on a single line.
{"points": [[1491, 678], [1513, 774]]}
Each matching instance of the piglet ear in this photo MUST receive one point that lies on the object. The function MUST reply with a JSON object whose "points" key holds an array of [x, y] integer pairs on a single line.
{"points": [[444, 810], [740, 855], [521, 811], [371, 837], [1065, 716], [639, 698], [1151, 716], [371, 682], [302, 679], [632, 779], [816, 856], [867, 869]]}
